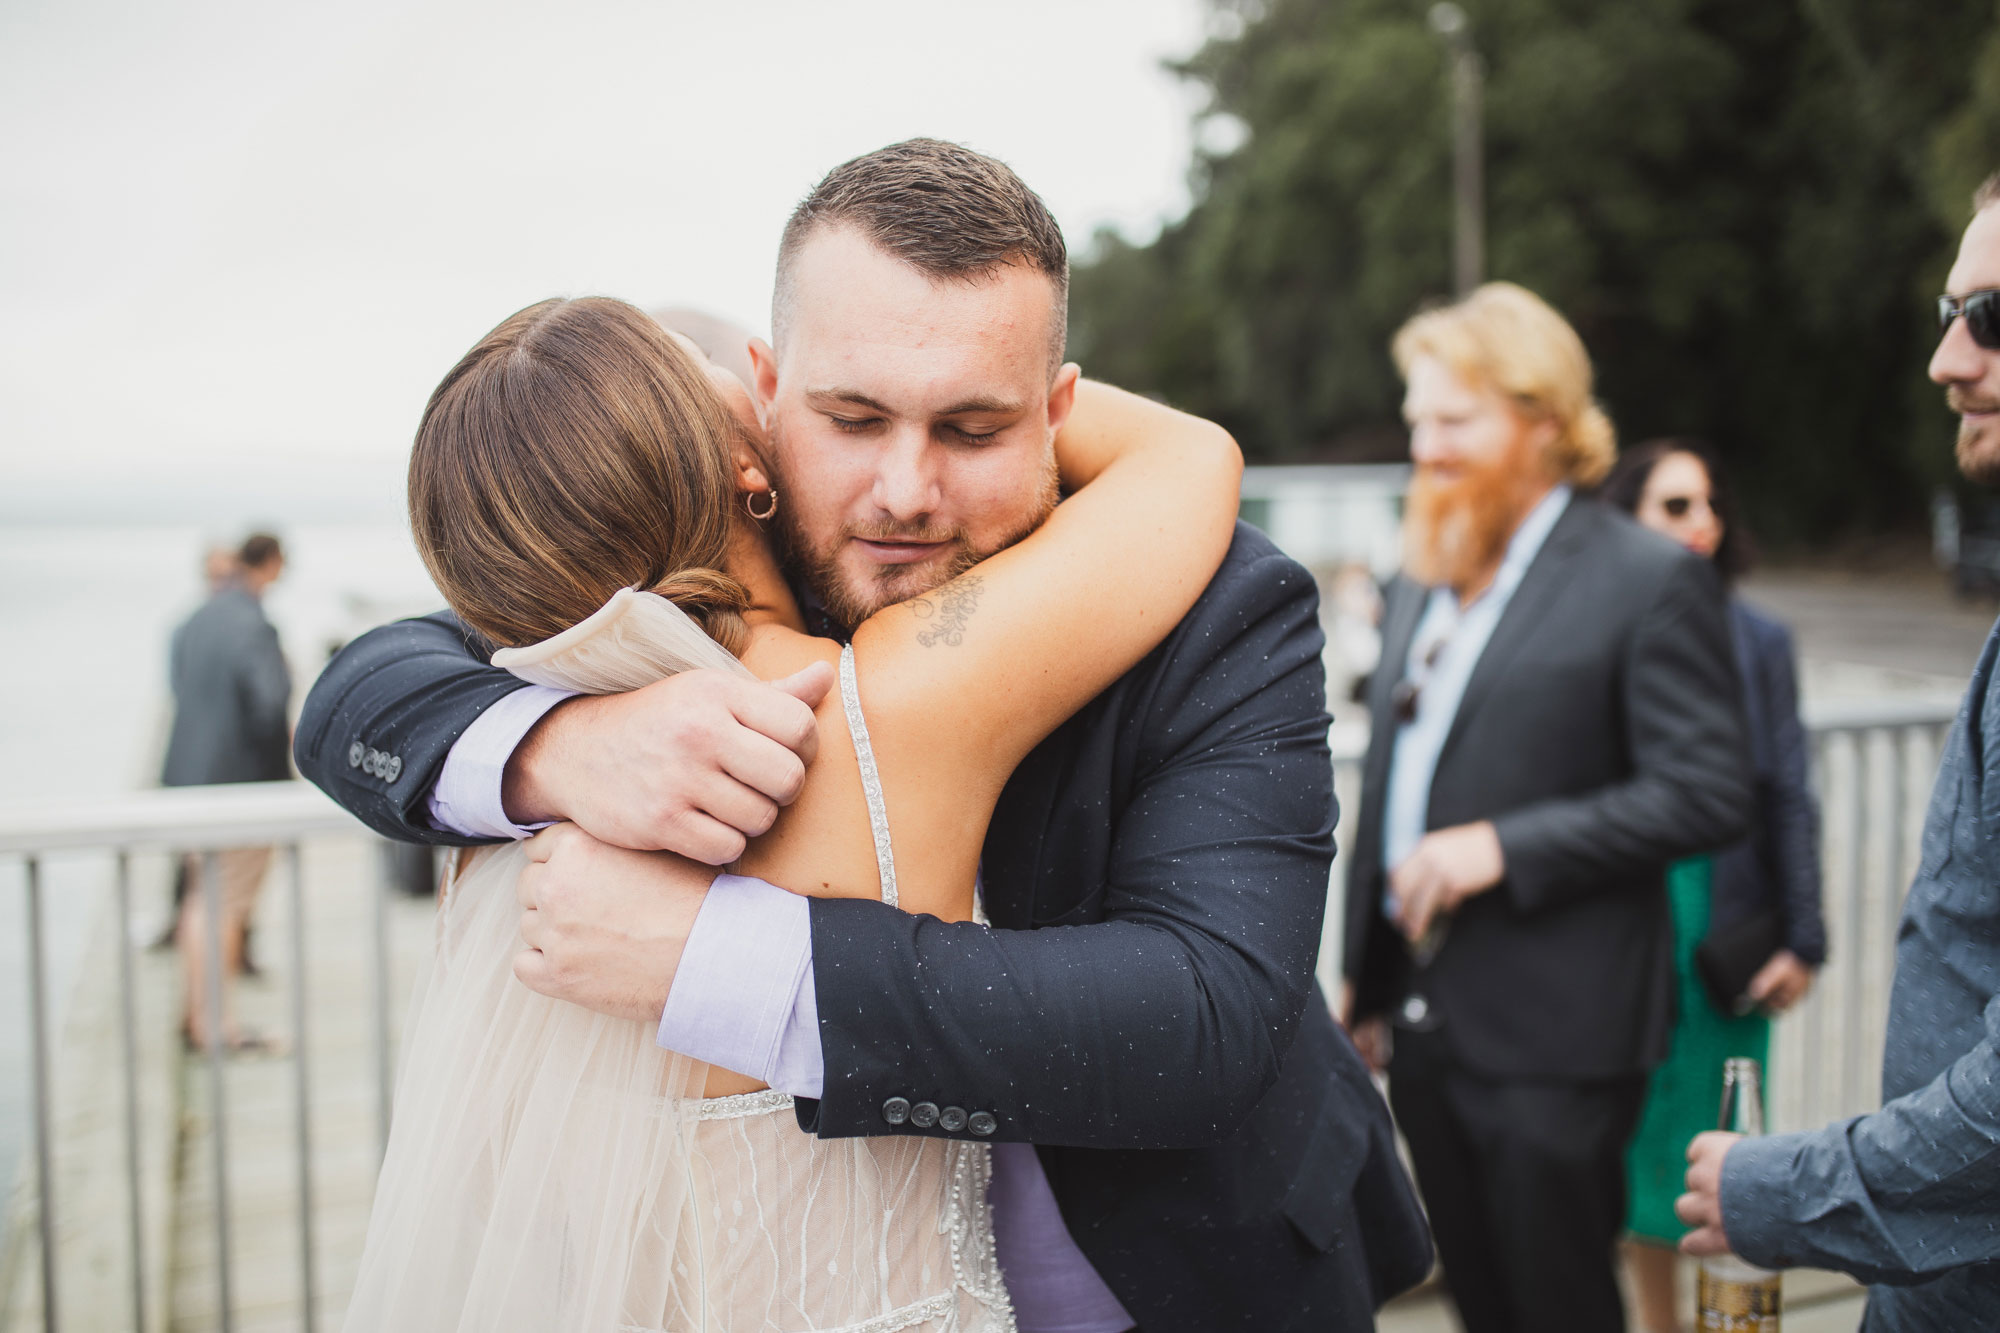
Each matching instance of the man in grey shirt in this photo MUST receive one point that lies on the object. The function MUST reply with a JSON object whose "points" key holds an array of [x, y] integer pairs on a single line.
{"points": [[1908, 1199]]}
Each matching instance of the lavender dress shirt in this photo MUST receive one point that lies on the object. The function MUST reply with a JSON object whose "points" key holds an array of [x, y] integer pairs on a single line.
{"points": [[743, 999]]}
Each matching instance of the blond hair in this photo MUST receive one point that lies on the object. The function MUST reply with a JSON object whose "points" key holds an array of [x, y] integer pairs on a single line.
{"points": [[1506, 338]]}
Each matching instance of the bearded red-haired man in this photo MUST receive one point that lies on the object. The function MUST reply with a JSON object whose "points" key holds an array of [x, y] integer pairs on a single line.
{"points": [[1555, 719]]}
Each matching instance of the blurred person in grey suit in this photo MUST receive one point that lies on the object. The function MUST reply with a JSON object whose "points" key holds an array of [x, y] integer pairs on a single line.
{"points": [[1555, 719], [1908, 1199], [232, 697]]}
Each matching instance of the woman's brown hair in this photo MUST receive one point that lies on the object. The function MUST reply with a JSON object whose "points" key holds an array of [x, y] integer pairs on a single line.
{"points": [[575, 451]]}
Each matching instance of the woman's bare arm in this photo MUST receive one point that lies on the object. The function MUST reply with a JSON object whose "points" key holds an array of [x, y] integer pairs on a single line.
{"points": [[958, 685]]}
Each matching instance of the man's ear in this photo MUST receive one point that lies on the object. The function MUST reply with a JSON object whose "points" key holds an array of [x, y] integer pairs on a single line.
{"points": [[763, 379], [1062, 396]]}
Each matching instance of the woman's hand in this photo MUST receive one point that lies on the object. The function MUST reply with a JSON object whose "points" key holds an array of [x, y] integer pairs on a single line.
{"points": [[1781, 983]]}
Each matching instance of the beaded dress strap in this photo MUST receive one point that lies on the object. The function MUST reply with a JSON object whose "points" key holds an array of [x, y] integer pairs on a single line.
{"points": [[871, 777]]}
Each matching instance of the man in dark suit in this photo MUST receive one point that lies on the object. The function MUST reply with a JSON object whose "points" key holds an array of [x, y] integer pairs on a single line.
{"points": [[232, 695], [1207, 1149], [1556, 718]]}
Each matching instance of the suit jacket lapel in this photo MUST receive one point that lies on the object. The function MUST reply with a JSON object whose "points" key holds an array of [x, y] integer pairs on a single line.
{"points": [[1539, 588], [1401, 615]]}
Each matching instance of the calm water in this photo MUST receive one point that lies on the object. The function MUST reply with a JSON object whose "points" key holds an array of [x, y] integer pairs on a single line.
{"points": [[86, 612]]}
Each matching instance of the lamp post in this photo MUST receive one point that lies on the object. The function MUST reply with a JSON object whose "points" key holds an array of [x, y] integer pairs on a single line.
{"points": [[1468, 228]]}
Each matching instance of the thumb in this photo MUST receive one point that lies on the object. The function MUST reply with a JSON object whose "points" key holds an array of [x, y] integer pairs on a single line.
{"points": [[808, 685]]}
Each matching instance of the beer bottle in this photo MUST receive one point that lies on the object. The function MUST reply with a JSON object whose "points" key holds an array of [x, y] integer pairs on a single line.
{"points": [[1733, 1296]]}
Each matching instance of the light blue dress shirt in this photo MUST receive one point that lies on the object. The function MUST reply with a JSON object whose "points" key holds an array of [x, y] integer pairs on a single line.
{"points": [[1453, 638]]}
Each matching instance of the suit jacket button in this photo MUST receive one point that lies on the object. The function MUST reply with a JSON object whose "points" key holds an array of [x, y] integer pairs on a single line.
{"points": [[896, 1110], [951, 1119], [393, 769], [982, 1123], [924, 1114], [355, 753]]}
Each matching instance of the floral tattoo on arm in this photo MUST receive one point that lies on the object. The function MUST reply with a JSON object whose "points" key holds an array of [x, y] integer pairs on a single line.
{"points": [[947, 610]]}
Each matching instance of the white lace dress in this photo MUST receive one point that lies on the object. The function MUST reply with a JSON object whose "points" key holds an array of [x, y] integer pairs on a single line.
{"points": [[551, 1170]]}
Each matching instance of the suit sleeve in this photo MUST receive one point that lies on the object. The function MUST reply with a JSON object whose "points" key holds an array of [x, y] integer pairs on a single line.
{"points": [[1898, 1196], [1690, 789], [1795, 814], [1161, 1025], [407, 691]]}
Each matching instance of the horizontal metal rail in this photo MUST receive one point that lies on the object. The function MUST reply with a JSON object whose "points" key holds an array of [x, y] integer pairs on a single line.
{"points": [[240, 814], [199, 822]]}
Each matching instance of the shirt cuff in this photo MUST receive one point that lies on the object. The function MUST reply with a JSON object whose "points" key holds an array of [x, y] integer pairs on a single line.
{"points": [[466, 799], [743, 996], [1758, 1180]]}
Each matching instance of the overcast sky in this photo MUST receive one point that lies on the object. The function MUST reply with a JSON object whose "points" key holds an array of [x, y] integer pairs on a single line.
{"points": [[233, 229]]}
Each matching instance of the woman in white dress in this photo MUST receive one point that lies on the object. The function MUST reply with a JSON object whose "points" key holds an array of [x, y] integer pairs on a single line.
{"points": [[578, 492]]}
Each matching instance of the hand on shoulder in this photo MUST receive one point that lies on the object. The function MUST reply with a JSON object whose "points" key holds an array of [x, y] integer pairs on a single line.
{"points": [[697, 763]]}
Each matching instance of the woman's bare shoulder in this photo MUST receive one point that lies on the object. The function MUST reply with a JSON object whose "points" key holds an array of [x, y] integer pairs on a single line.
{"points": [[775, 650]]}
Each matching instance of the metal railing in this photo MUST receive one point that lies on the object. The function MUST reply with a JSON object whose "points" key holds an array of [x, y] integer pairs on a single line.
{"points": [[1874, 762], [201, 821]]}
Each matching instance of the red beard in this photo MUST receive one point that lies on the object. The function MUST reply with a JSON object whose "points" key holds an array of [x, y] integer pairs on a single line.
{"points": [[1456, 530]]}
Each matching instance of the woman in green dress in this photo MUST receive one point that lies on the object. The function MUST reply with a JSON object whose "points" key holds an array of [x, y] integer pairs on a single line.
{"points": [[1677, 488]]}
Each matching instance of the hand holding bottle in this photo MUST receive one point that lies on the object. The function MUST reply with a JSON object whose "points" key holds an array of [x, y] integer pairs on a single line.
{"points": [[1701, 1206]]}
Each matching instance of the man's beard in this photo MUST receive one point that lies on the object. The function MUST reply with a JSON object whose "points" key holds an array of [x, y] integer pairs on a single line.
{"points": [[851, 600], [1978, 444], [1456, 530]]}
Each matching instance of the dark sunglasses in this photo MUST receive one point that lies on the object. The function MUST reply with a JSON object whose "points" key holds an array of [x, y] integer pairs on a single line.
{"points": [[1409, 691], [1982, 316]]}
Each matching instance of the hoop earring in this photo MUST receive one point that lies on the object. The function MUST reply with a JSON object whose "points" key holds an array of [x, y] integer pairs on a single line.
{"points": [[750, 506]]}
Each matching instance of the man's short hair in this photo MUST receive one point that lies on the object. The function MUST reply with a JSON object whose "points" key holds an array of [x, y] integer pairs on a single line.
{"points": [[946, 211], [258, 550], [1987, 193]]}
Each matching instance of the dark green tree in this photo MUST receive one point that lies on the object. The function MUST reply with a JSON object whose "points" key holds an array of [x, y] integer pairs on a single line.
{"points": [[1743, 207]]}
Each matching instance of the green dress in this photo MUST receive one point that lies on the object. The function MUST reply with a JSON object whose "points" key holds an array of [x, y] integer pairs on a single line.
{"points": [[1685, 1096]]}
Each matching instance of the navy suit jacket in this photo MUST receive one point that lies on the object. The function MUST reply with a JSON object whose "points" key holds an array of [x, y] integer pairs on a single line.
{"points": [[1778, 865], [1146, 1014]]}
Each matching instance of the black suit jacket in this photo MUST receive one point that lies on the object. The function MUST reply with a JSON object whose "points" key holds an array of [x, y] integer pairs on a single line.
{"points": [[1146, 1013], [1602, 733]]}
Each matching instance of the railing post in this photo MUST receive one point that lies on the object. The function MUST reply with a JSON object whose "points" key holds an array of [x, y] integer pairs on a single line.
{"points": [[128, 1025], [1852, 970], [385, 1074], [38, 1019], [308, 1286], [211, 901]]}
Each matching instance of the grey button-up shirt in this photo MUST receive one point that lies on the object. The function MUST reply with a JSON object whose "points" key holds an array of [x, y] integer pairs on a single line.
{"points": [[1908, 1198]]}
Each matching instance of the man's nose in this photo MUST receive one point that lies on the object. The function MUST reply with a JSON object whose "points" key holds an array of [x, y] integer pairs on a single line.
{"points": [[906, 486], [1424, 445], [1958, 359]]}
